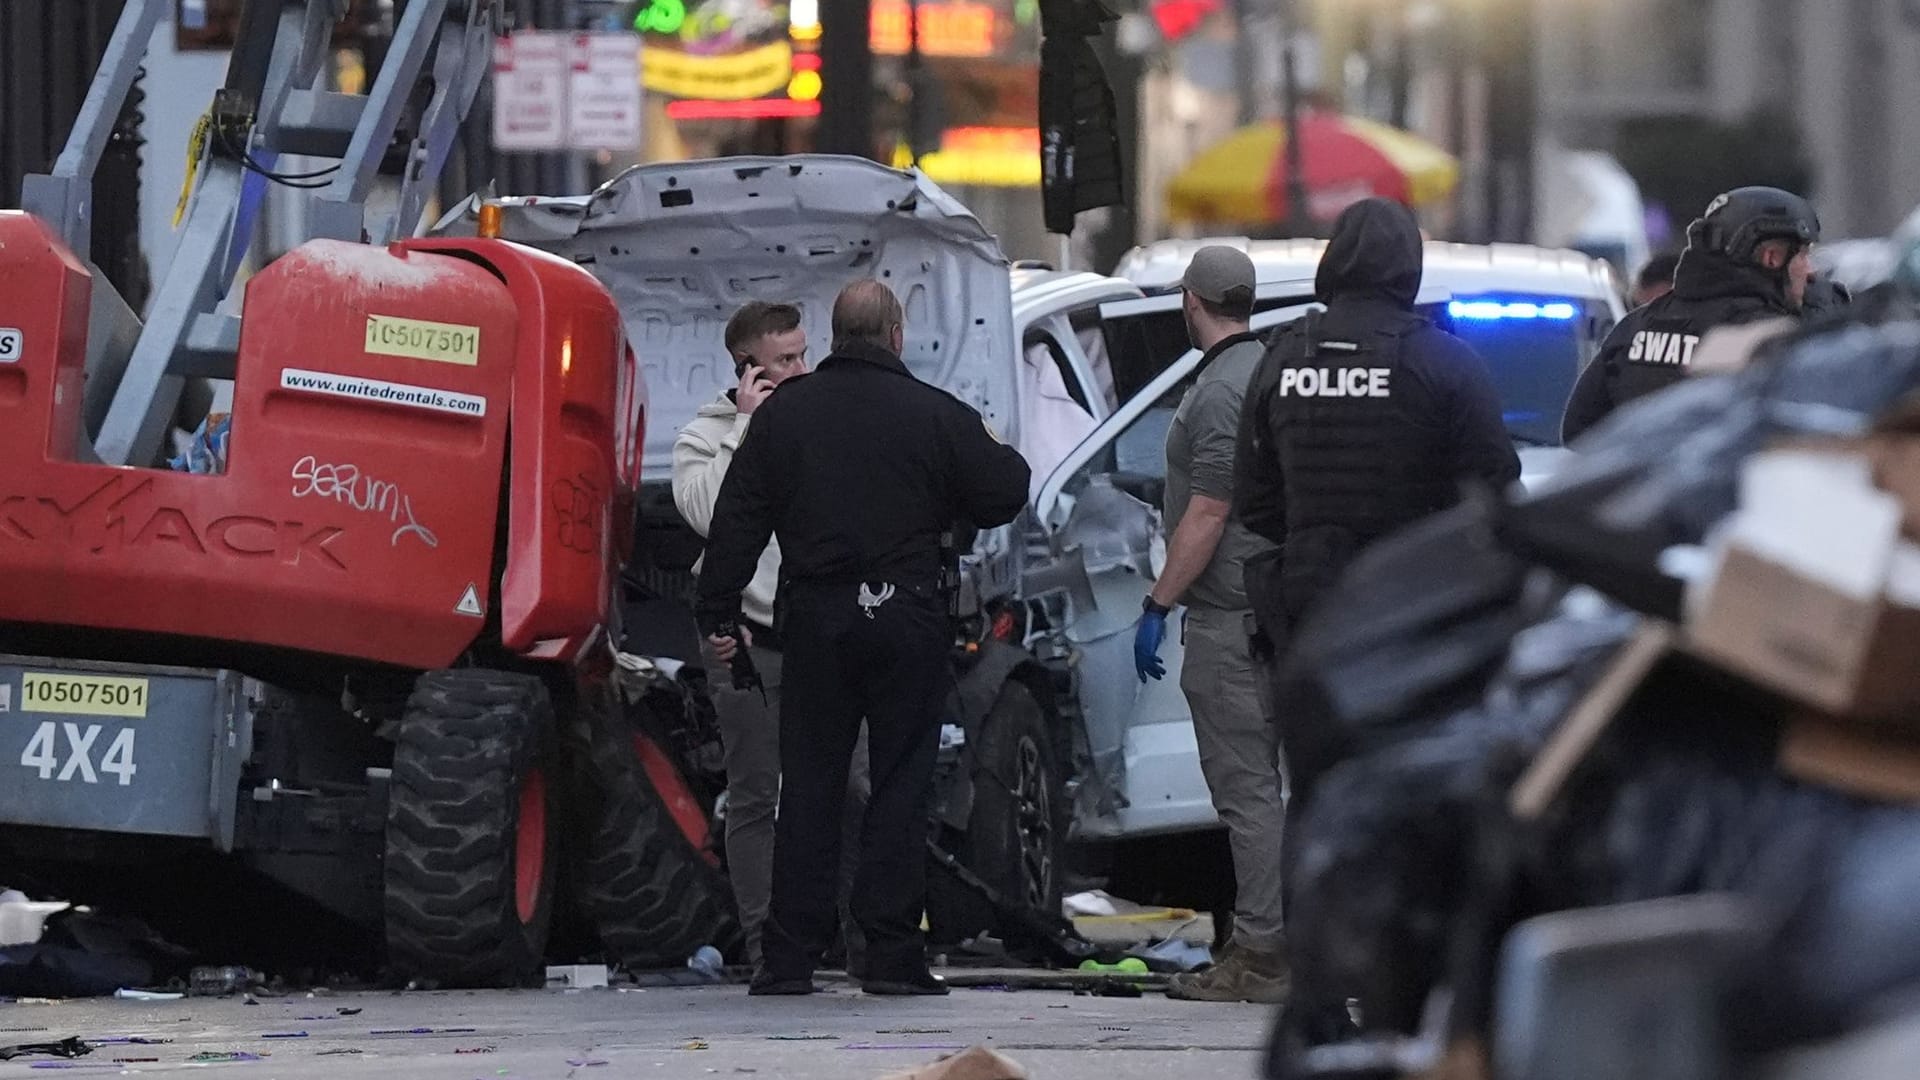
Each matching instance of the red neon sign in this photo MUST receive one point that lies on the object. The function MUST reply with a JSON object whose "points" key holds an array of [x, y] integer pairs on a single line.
{"points": [[947, 28]]}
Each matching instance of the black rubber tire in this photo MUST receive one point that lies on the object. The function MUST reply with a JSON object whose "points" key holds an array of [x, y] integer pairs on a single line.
{"points": [[652, 896], [1015, 844], [467, 743]]}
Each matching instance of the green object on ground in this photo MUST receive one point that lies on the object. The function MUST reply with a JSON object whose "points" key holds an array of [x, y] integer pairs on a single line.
{"points": [[1130, 966]]}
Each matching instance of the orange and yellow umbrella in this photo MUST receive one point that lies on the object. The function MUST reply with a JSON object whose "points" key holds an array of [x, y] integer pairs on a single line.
{"points": [[1243, 178]]}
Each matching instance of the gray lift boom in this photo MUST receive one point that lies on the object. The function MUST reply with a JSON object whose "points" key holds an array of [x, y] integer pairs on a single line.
{"points": [[273, 103]]}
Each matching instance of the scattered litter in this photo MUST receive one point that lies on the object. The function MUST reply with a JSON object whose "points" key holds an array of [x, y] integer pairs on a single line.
{"points": [[578, 976], [708, 962], [1102, 905], [285, 1035], [249, 999], [424, 1031], [475, 1050], [22, 920], [914, 1031], [975, 1063], [1114, 1027], [802, 1038], [344, 1011], [694, 1044], [1132, 965], [584, 1063], [1059, 1006], [206, 1056], [344, 1050], [1174, 954], [125, 994], [134, 1061], [209, 981], [69, 1047]]}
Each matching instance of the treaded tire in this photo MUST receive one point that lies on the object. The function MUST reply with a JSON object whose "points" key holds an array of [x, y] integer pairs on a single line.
{"points": [[1015, 836], [653, 896], [474, 747]]}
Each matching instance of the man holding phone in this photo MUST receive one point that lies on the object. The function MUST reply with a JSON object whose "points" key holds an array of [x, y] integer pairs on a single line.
{"points": [[768, 347]]}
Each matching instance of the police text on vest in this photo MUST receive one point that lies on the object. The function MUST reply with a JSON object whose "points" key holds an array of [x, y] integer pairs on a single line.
{"points": [[1654, 347], [1335, 382]]}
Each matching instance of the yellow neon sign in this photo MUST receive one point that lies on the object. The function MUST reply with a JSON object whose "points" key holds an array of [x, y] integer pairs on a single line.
{"points": [[735, 77], [980, 157]]}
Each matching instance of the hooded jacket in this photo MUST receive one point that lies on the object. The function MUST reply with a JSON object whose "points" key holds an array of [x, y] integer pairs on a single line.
{"points": [[1365, 418], [701, 456], [1652, 348]]}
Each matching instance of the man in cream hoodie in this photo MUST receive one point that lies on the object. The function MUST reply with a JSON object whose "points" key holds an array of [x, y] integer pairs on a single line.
{"points": [[768, 347]]}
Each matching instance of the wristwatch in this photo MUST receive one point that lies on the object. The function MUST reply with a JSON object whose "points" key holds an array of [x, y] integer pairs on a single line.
{"points": [[1151, 607]]}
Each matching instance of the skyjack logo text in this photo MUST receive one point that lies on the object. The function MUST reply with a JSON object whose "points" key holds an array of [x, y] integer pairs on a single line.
{"points": [[358, 389]]}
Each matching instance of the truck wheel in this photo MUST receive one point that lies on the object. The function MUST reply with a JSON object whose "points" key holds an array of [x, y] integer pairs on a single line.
{"points": [[472, 828], [650, 882], [1017, 831]]}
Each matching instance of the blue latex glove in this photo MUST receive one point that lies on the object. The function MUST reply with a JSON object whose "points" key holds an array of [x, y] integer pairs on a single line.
{"points": [[1146, 646]]}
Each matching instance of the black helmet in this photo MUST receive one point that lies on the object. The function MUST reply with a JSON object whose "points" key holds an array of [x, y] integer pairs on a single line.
{"points": [[1737, 223]]}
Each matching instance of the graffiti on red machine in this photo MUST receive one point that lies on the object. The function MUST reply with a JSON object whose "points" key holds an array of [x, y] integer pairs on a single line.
{"points": [[122, 513], [348, 486], [576, 505]]}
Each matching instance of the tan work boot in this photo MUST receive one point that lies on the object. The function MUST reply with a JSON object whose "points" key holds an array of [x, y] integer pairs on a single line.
{"points": [[1241, 975]]}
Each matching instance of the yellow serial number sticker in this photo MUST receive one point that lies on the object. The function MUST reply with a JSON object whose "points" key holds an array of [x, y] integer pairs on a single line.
{"points": [[418, 339], [83, 695]]}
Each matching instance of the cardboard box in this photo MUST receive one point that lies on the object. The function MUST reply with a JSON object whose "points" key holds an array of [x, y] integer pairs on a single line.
{"points": [[1853, 760], [1809, 642], [1817, 593]]}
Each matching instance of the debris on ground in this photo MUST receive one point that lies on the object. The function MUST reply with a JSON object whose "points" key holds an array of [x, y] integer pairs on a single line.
{"points": [[22, 921], [221, 981], [69, 1047], [1100, 904], [578, 976], [205, 1057], [127, 994], [973, 1063]]}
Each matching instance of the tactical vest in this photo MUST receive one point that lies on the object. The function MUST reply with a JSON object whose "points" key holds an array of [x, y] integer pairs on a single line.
{"points": [[1659, 348]]}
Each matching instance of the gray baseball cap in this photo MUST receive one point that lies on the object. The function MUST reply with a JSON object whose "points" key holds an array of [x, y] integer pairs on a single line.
{"points": [[1217, 270]]}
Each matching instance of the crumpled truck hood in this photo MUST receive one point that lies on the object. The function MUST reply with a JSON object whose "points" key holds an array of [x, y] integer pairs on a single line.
{"points": [[682, 245]]}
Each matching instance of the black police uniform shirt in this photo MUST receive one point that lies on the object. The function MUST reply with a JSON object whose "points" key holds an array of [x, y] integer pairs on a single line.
{"points": [[1376, 424], [1653, 346], [859, 468]]}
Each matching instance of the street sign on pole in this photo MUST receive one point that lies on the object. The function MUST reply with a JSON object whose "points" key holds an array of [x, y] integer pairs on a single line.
{"points": [[531, 70], [604, 92]]}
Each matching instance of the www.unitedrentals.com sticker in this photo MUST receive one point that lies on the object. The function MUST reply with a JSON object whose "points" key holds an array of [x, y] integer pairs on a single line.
{"points": [[358, 389]]}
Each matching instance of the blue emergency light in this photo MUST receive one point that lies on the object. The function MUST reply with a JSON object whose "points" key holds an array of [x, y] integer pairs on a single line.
{"points": [[1489, 310]]}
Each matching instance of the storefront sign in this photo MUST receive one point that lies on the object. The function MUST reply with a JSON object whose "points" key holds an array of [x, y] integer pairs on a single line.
{"points": [[735, 77], [947, 27], [981, 157]]}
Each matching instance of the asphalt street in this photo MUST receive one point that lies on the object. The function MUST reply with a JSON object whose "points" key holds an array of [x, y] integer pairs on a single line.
{"points": [[667, 1033]]}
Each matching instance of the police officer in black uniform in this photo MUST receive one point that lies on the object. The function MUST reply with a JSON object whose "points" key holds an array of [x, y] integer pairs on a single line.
{"points": [[1359, 421], [1747, 258], [859, 468]]}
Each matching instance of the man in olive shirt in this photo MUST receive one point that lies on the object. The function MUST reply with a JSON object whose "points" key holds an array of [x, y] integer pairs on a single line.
{"points": [[1239, 737]]}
